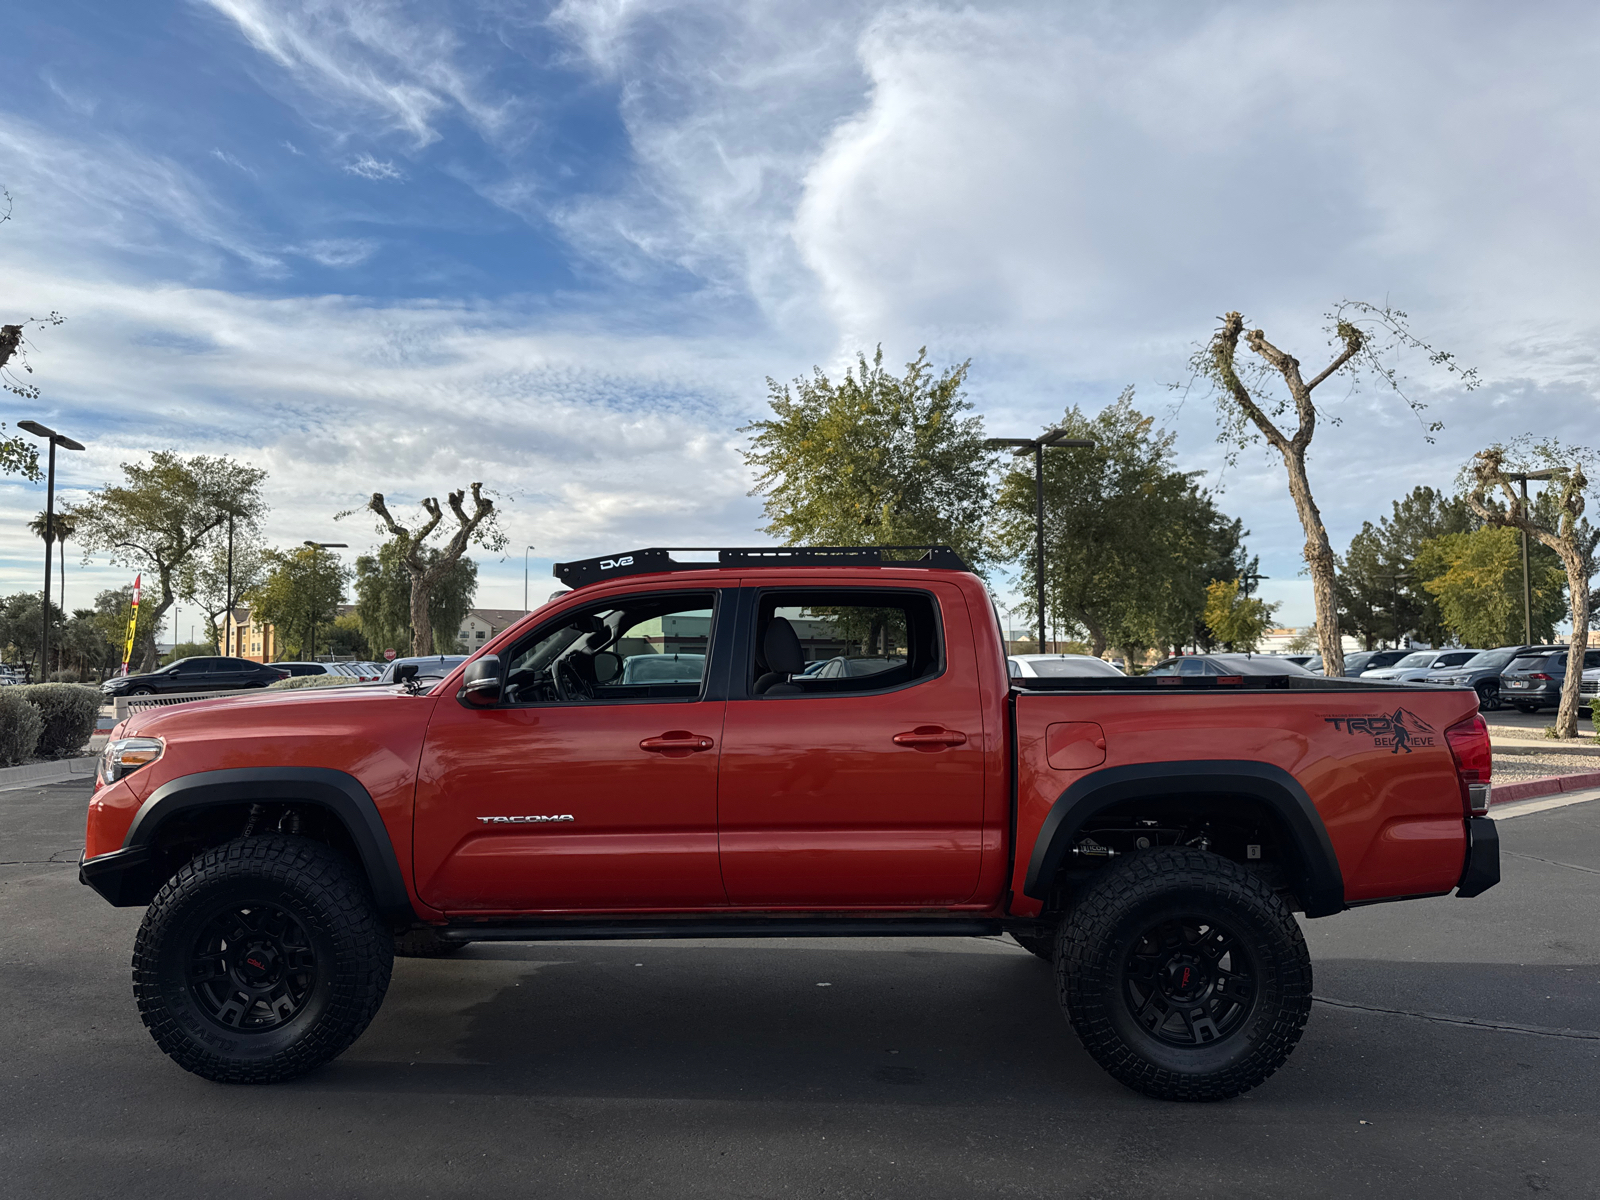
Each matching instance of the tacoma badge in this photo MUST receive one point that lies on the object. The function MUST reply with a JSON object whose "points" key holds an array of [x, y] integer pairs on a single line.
{"points": [[525, 820]]}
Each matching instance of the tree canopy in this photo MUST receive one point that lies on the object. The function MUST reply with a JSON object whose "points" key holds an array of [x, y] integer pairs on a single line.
{"points": [[874, 459], [383, 597], [1381, 596], [163, 513], [1476, 580], [300, 595]]}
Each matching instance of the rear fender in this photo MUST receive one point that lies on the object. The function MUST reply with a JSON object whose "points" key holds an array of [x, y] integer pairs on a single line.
{"points": [[1314, 873]]}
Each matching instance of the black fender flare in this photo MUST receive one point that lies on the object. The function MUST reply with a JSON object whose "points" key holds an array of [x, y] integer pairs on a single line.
{"points": [[124, 877], [1316, 879]]}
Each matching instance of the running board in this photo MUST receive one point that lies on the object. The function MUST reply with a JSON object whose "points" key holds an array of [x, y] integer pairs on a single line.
{"points": [[740, 927]]}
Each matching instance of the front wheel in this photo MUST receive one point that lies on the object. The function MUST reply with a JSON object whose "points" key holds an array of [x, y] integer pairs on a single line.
{"points": [[142, 692], [1184, 975], [261, 959], [1488, 697]]}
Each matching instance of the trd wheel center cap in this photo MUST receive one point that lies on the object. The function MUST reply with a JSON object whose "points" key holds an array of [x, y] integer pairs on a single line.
{"points": [[1184, 979], [257, 965]]}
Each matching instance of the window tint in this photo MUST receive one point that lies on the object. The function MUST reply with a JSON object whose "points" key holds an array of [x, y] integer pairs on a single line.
{"points": [[1591, 658], [843, 640], [190, 666], [650, 647], [1528, 662]]}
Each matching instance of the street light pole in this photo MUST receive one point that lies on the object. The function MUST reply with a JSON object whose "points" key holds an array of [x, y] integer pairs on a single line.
{"points": [[55, 439], [1056, 439], [1527, 583], [525, 577], [315, 546]]}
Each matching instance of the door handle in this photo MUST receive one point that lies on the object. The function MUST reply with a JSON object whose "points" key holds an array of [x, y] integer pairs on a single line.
{"points": [[675, 743], [930, 737]]}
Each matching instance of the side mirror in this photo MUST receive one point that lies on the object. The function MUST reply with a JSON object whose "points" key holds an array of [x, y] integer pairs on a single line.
{"points": [[480, 683], [405, 672], [607, 666]]}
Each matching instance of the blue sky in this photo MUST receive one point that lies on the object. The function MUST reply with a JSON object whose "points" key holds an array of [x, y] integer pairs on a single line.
{"points": [[558, 247]]}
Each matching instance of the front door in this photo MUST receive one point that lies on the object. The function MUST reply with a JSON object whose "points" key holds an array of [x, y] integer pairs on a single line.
{"points": [[853, 768], [592, 784]]}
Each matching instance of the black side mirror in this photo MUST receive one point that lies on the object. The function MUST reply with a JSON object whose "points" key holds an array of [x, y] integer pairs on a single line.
{"points": [[405, 672], [480, 683]]}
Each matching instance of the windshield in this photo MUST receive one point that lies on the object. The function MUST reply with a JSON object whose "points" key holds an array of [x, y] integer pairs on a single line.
{"points": [[1490, 658], [1058, 668], [1421, 659]]}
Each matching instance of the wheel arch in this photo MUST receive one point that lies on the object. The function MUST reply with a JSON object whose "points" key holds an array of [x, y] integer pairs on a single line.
{"points": [[1314, 873], [347, 817]]}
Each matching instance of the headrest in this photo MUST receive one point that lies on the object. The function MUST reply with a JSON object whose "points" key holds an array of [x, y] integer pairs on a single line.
{"points": [[780, 646]]}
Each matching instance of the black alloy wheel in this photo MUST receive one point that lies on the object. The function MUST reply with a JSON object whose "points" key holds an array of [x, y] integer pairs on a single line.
{"points": [[252, 967], [1184, 974], [1488, 696]]}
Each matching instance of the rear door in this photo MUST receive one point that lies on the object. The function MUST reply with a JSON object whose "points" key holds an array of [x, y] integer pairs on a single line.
{"points": [[578, 791], [861, 790]]}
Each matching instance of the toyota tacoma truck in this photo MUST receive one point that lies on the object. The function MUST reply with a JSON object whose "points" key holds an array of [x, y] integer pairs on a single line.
{"points": [[646, 756]]}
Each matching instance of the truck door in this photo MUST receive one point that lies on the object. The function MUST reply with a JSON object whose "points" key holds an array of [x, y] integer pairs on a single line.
{"points": [[592, 784], [852, 758]]}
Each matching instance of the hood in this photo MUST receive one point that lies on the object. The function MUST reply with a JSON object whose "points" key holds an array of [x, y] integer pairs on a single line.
{"points": [[258, 707]]}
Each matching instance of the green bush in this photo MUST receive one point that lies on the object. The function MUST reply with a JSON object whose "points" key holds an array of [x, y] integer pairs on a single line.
{"points": [[312, 681], [68, 711], [20, 724]]}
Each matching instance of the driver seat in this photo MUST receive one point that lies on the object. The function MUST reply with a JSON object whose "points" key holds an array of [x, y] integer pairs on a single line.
{"points": [[783, 656]]}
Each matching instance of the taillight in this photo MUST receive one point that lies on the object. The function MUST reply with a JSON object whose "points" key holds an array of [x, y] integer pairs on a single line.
{"points": [[1541, 675], [1469, 746]]}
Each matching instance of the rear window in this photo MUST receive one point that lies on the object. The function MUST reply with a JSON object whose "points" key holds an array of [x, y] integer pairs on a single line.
{"points": [[1528, 662]]}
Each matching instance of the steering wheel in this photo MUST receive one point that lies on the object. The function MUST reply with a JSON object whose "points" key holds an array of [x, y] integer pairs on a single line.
{"points": [[569, 681]]}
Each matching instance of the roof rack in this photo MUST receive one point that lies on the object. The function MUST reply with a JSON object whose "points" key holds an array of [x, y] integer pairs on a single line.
{"points": [[656, 559]]}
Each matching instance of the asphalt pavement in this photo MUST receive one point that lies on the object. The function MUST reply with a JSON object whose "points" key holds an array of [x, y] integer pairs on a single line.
{"points": [[1455, 1052]]}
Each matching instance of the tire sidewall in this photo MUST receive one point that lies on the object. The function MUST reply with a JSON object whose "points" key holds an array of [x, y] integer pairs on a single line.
{"points": [[181, 925], [1255, 936]]}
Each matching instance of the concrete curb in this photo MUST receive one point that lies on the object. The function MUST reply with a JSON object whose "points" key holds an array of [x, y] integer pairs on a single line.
{"points": [[1550, 785], [1546, 746], [34, 774]]}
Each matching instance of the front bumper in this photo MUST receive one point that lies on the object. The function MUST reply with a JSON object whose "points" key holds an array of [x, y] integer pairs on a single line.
{"points": [[1482, 871], [125, 878]]}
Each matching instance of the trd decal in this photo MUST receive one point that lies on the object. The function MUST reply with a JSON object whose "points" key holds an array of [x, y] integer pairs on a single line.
{"points": [[1400, 730]]}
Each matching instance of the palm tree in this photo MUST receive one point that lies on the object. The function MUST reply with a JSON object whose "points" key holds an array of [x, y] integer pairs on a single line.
{"points": [[66, 526]]}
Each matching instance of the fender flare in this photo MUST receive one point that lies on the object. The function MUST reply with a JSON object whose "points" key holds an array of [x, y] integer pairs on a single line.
{"points": [[1318, 881], [123, 876]]}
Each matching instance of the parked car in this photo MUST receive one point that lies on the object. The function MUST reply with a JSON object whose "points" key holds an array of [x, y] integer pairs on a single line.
{"points": [[1533, 680], [1358, 661], [1482, 671], [362, 672], [1227, 664], [1414, 667], [1057, 666], [433, 667], [1153, 838], [196, 675], [1588, 690], [663, 668], [309, 668]]}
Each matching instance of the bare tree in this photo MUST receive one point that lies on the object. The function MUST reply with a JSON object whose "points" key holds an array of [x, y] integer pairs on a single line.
{"points": [[428, 565], [1364, 337], [1560, 526]]}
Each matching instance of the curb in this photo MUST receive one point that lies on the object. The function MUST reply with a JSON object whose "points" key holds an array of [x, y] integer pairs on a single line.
{"points": [[31, 774], [1546, 746], [1549, 786]]}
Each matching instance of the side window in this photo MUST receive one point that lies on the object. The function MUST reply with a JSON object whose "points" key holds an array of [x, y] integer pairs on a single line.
{"points": [[1591, 658], [826, 641], [649, 647], [191, 666], [1193, 666]]}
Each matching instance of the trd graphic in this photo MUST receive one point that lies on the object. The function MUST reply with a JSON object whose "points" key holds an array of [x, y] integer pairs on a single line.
{"points": [[1400, 730]]}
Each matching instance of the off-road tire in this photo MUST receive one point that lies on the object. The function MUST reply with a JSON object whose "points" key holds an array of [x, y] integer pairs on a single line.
{"points": [[342, 956], [1159, 889], [1489, 698], [1042, 945], [424, 942]]}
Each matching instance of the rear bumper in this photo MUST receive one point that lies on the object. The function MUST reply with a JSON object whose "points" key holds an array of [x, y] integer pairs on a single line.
{"points": [[1482, 871]]}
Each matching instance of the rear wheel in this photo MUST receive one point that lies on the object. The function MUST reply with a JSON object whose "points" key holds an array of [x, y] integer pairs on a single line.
{"points": [[260, 959], [1184, 975]]}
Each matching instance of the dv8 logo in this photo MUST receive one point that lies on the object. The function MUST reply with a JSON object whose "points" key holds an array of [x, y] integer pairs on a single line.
{"points": [[611, 564]]}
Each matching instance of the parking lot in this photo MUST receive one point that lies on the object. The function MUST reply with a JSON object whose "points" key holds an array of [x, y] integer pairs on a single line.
{"points": [[1455, 1052]]}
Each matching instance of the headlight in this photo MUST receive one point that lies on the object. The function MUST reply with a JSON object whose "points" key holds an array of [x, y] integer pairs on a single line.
{"points": [[126, 755]]}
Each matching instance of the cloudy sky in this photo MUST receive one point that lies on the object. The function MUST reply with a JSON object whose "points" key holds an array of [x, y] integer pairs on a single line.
{"points": [[379, 245]]}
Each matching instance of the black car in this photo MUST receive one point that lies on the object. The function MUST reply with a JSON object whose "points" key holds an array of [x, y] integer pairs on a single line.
{"points": [[195, 675], [1533, 680]]}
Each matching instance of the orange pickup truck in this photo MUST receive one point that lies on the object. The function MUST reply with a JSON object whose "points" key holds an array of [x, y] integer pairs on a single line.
{"points": [[781, 743]]}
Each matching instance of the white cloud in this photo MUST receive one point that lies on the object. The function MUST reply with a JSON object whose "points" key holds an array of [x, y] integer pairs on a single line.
{"points": [[354, 62], [368, 167]]}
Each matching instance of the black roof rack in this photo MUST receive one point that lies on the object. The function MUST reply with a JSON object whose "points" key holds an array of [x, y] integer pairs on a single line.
{"points": [[656, 559]]}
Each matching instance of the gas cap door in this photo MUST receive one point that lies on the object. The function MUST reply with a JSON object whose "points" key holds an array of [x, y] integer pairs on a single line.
{"points": [[1074, 745]]}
